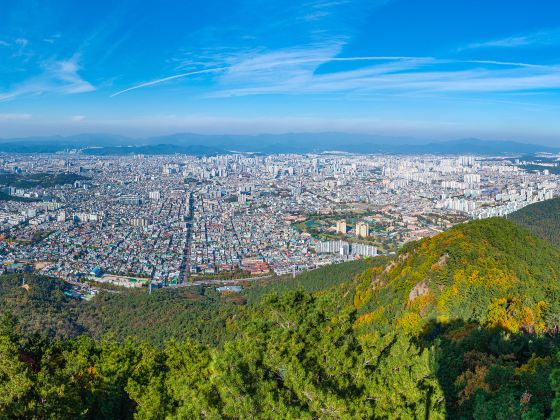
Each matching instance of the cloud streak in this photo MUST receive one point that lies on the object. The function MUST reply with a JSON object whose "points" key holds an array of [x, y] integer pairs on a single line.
{"points": [[297, 72], [256, 65], [300, 70], [169, 78], [539, 38]]}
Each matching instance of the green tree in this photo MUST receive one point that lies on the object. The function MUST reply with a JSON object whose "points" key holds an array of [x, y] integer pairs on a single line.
{"points": [[16, 376]]}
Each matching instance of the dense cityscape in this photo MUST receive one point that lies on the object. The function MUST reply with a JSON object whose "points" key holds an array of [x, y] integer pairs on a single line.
{"points": [[169, 220]]}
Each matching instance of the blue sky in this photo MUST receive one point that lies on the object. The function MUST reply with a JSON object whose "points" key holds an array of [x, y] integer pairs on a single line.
{"points": [[429, 69]]}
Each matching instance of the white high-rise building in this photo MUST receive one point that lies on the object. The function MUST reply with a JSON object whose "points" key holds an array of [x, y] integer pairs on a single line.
{"points": [[362, 230], [341, 226]]}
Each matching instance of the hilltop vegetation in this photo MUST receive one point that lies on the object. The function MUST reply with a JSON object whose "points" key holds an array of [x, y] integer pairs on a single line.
{"points": [[543, 219], [194, 312], [485, 295], [40, 305], [8, 197], [200, 313], [490, 271], [461, 325], [315, 280], [44, 180], [42, 308]]}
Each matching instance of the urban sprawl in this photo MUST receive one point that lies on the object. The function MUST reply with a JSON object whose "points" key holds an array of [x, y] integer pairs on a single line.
{"points": [[170, 220]]}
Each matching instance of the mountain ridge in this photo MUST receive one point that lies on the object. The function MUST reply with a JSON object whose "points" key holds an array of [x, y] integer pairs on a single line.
{"points": [[269, 144]]}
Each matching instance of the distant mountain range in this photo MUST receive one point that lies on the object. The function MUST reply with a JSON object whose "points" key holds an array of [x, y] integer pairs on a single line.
{"points": [[201, 144]]}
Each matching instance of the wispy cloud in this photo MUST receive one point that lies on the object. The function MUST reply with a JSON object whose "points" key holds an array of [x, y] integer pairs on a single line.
{"points": [[167, 79], [371, 80], [22, 42], [264, 67], [297, 71], [57, 77], [15, 117], [539, 38], [52, 39], [320, 9]]}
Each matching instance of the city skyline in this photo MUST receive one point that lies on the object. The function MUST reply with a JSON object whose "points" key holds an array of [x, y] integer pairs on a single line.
{"points": [[393, 67]]}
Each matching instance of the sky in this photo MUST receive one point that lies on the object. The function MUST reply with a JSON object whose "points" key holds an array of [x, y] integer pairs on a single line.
{"points": [[434, 69]]}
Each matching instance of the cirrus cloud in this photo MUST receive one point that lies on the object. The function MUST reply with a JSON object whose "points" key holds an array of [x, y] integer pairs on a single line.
{"points": [[60, 77]]}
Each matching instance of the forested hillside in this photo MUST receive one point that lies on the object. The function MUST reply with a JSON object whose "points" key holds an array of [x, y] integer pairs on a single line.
{"points": [[461, 325], [200, 313], [194, 312], [313, 280], [42, 308], [543, 219], [40, 305]]}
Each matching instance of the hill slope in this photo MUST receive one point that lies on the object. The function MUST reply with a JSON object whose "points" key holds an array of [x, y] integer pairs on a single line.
{"points": [[469, 273], [485, 297], [543, 219], [461, 325], [198, 312]]}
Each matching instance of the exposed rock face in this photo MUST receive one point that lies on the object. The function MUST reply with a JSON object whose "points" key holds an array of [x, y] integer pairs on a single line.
{"points": [[377, 282], [420, 289], [441, 262], [394, 263]]}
